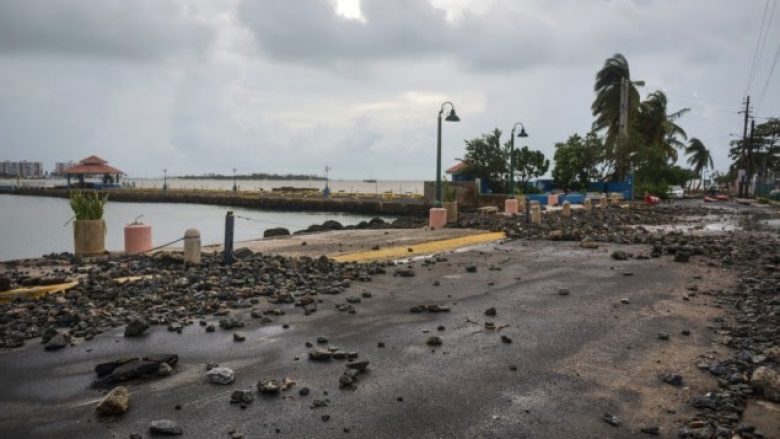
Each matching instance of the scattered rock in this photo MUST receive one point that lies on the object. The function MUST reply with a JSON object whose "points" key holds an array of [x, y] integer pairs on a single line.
{"points": [[320, 355], [136, 327], [165, 427], [611, 419], [57, 342], [490, 312], [563, 292], [221, 375], [471, 269], [434, 341], [652, 431], [768, 382], [268, 387], [239, 336], [114, 403], [619, 255], [672, 379]]}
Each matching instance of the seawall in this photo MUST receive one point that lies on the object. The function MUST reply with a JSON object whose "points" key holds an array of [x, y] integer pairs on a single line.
{"points": [[252, 200]]}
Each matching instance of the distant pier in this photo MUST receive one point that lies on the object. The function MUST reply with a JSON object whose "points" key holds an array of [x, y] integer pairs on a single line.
{"points": [[387, 204]]}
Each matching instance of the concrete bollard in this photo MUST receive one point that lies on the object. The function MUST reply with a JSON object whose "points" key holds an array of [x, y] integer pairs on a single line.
{"points": [[536, 213], [521, 200], [437, 218], [510, 207], [603, 201], [192, 246], [614, 199], [587, 204], [566, 211], [552, 199]]}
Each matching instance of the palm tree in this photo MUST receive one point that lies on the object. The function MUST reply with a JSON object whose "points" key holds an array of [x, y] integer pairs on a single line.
{"points": [[606, 107], [658, 128], [699, 157]]}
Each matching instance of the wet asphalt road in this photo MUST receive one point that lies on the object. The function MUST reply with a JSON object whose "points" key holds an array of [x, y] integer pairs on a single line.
{"points": [[462, 389]]}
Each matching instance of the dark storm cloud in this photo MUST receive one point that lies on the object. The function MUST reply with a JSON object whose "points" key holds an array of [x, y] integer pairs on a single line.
{"points": [[140, 29], [506, 36]]}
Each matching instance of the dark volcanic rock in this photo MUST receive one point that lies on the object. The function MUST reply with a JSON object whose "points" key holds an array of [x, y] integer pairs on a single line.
{"points": [[57, 342], [619, 255], [125, 369], [277, 231], [136, 327]]}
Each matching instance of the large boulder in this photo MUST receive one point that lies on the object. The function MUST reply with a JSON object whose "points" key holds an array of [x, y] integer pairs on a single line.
{"points": [[126, 369], [768, 382], [332, 225], [276, 231], [221, 375], [115, 403], [5, 283]]}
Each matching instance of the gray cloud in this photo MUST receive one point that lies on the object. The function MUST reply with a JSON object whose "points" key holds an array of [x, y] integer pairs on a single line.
{"points": [[107, 28], [289, 86]]}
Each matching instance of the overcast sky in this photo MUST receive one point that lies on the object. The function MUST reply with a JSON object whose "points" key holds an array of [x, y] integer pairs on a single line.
{"points": [[283, 86]]}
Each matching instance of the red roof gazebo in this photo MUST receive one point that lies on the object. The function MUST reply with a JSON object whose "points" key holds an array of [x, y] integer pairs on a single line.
{"points": [[93, 166]]}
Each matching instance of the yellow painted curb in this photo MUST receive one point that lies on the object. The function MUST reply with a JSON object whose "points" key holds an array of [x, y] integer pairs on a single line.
{"points": [[35, 292], [422, 248], [8, 296]]}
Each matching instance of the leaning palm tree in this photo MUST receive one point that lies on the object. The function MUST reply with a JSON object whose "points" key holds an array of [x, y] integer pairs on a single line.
{"points": [[658, 128], [606, 107], [699, 158]]}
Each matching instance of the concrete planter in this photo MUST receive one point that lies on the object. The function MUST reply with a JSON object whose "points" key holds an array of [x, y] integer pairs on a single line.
{"points": [[89, 237], [452, 210]]}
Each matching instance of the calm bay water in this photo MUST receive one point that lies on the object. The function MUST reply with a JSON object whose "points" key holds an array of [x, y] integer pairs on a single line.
{"points": [[34, 226]]}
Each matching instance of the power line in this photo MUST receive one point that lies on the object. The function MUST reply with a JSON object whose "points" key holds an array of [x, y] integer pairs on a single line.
{"points": [[754, 63], [768, 79]]}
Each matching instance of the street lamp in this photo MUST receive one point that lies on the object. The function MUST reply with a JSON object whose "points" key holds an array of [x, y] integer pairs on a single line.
{"points": [[165, 180], [512, 157], [235, 187], [452, 117]]}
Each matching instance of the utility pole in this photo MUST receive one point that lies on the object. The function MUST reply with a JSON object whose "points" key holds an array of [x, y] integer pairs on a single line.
{"points": [[741, 172], [625, 95], [750, 167]]}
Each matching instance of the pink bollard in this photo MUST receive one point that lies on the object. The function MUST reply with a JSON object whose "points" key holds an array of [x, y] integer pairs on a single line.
{"points": [[138, 238], [510, 206], [437, 218]]}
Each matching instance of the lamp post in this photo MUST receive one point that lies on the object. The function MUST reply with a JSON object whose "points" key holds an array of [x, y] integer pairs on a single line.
{"points": [[452, 117], [512, 157], [235, 187], [165, 180]]}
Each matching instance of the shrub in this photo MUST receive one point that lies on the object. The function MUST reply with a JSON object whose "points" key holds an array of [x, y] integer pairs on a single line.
{"points": [[87, 206]]}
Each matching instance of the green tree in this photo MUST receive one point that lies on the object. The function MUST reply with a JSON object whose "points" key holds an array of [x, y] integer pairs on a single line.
{"points": [[606, 109], [530, 164], [606, 106], [580, 160], [658, 129], [699, 157], [487, 159]]}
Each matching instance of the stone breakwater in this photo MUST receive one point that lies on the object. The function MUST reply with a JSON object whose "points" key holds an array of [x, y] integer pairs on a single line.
{"points": [[267, 201]]}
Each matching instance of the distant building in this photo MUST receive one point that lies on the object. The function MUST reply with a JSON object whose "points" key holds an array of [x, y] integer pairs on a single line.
{"points": [[22, 169], [60, 167]]}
